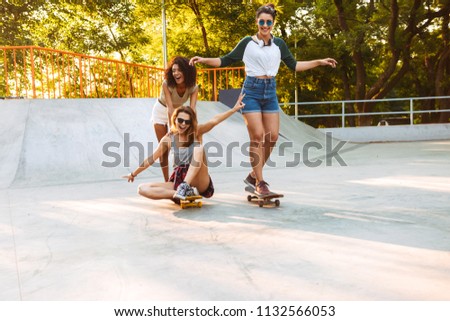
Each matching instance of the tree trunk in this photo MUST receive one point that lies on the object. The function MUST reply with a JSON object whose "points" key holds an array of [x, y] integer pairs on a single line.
{"points": [[443, 72], [357, 58], [194, 6], [426, 88], [347, 93]]}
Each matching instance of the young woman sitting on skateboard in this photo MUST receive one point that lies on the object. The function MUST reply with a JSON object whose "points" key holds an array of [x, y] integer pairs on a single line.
{"points": [[190, 176]]}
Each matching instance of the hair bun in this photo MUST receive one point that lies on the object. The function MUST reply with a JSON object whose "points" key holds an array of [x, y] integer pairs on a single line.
{"points": [[268, 8]]}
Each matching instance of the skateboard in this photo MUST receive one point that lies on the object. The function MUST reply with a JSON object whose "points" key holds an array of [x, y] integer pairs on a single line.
{"points": [[191, 201], [263, 200]]}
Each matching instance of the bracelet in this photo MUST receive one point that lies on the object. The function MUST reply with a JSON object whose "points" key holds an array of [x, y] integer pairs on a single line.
{"points": [[132, 175]]}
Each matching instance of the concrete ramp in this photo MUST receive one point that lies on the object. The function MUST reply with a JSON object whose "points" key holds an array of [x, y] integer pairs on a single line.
{"points": [[13, 119], [53, 142], [228, 143], [71, 229]]}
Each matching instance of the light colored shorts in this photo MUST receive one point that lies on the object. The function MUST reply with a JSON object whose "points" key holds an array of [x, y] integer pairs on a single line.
{"points": [[159, 114]]}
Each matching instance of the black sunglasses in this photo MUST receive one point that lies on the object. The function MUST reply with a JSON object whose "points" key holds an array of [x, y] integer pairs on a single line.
{"points": [[182, 120]]}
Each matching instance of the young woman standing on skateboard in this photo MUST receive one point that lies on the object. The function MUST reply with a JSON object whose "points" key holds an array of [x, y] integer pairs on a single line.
{"points": [[262, 54], [178, 87], [190, 176]]}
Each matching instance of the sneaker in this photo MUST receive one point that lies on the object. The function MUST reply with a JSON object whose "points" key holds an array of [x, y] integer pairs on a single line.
{"points": [[184, 190], [181, 192], [262, 188], [250, 181], [195, 191]]}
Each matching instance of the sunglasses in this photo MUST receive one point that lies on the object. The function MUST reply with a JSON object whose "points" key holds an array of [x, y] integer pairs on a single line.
{"points": [[182, 120], [263, 22]]}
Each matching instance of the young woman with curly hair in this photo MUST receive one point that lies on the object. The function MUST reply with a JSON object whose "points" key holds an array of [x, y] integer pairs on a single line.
{"points": [[179, 86]]}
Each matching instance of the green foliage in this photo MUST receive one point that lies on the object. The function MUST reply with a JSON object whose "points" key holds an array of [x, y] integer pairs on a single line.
{"points": [[16, 21], [399, 46]]}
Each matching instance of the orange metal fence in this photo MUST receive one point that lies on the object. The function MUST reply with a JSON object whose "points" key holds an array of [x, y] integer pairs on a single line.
{"points": [[35, 72], [211, 80]]}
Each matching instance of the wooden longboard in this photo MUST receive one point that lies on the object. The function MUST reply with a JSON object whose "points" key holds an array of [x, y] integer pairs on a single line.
{"points": [[263, 200], [191, 201]]}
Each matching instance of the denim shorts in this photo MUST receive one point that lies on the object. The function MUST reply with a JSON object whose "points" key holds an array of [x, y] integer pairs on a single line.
{"points": [[260, 95]]}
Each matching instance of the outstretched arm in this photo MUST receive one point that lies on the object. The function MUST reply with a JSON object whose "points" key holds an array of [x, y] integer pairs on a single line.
{"points": [[163, 145], [305, 65], [216, 120], [213, 62], [237, 54]]}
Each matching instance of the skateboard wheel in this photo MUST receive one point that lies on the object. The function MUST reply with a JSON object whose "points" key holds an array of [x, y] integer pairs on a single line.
{"points": [[200, 204], [249, 198], [277, 203], [261, 203]]}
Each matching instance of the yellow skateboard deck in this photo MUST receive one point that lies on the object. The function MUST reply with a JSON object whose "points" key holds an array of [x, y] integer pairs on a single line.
{"points": [[191, 201]]}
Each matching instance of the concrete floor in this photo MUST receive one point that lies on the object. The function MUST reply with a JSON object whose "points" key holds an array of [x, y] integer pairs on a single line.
{"points": [[376, 229]]}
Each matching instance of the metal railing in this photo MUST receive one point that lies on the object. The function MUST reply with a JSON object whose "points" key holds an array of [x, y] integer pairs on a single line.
{"points": [[384, 108], [211, 80], [36, 72]]}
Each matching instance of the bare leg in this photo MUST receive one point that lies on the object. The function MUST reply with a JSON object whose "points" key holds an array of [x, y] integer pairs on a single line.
{"points": [[161, 131], [255, 129], [271, 123], [197, 175], [157, 191]]}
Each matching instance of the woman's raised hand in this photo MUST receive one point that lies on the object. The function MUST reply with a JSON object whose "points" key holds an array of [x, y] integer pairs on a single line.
{"points": [[129, 177], [329, 62], [195, 60], [239, 104]]}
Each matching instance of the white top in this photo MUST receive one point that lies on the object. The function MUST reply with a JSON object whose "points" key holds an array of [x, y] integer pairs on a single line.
{"points": [[259, 59]]}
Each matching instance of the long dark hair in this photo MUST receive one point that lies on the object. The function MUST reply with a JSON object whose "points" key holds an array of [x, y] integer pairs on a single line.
{"points": [[268, 8], [189, 72], [192, 130]]}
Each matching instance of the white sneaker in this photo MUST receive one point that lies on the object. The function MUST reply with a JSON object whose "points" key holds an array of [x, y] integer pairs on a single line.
{"points": [[182, 191], [185, 190]]}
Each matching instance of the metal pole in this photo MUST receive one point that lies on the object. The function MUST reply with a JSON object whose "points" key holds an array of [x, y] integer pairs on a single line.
{"points": [[215, 85], [81, 78], [5, 63], [33, 83], [164, 34], [296, 85]]}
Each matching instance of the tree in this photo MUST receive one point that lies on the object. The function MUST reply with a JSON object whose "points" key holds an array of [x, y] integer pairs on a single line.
{"points": [[399, 24], [384, 48], [16, 19], [92, 27]]}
